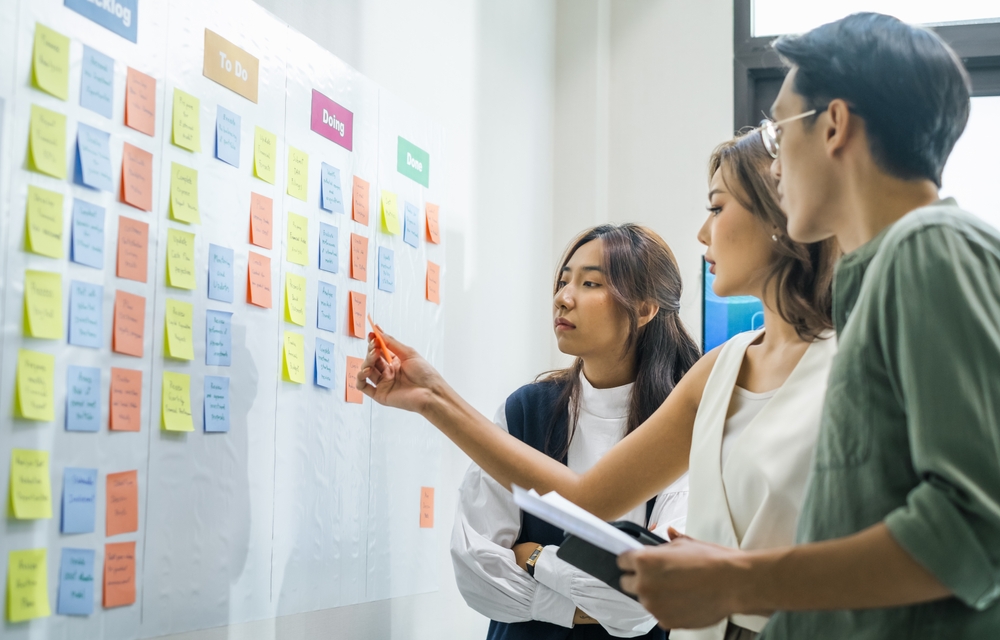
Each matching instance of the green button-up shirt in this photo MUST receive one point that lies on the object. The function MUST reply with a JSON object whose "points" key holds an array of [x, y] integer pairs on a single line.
{"points": [[910, 433]]}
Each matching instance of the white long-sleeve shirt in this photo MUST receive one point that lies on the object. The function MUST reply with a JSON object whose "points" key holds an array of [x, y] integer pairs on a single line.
{"points": [[488, 524]]}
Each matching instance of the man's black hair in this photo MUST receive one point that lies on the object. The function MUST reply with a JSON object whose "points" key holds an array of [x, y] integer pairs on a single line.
{"points": [[909, 87]]}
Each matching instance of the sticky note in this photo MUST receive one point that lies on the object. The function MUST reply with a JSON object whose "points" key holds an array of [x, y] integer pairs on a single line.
{"points": [[43, 226], [83, 398], [359, 209], [356, 314], [180, 259], [426, 507], [216, 404], [386, 270], [220, 273], [324, 364], [43, 305], [133, 249], [97, 81], [129, 324], [329, 251], [359, 257], [265, 146], [351, 392], [293, 368], [218, 338], [86, 314], [27, 585], [122, 503], [137, 177], [86, 245], [227, 136], [184, 194], [119, 574], [390, 213], [50, 62], [186, 132], [433, 282], [331, 196], [79, 500], [178, 322], [140, 102], [433, 230], [298, 239], [260, 220], [93, 158], [126, 399], [326, 307], [35, 385], [176, 410], [76, 582], [47, 142], [259, 280], [298, 174], [411, 224], [295, 299], [30, 488]]}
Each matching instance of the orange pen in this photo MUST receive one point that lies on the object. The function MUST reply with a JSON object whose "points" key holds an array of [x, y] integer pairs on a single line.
{"points": [[381, 341]]}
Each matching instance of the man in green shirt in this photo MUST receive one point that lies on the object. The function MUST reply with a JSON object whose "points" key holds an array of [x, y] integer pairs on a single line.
{"points": [[900, 531]]}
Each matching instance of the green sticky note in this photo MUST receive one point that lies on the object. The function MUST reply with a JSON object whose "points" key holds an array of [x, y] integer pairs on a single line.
{"points": [[50, 62], [298, 174], [390, 213], [176, 404], [298, 239], [35, 386], [184, 194], [295, 299], [413, 162], [47, 142], [180, 259], [186, 124], [294, 352], [30, 487], [43, 223], [27, 585], [43, 305], [265, 146], [178, 325]]}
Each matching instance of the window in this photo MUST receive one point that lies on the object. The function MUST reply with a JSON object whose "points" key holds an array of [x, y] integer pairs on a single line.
{"points": [[974, 166]]}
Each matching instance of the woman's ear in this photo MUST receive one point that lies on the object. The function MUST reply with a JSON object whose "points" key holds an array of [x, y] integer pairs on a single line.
{"points": [[647, 311]]}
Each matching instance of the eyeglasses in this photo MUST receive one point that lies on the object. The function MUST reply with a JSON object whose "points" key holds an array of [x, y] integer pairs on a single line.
{"points": [[770, 130]]}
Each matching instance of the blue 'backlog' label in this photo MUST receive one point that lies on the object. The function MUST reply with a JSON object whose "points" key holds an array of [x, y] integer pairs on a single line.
{"points": [[120, 16]]}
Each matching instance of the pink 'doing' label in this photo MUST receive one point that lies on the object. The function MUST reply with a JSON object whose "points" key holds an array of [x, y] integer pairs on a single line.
{"points": [[332, 121]]}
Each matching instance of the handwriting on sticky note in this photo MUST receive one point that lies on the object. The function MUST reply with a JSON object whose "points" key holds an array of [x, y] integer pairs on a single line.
{"points": [[386, 270], [76, 582], [390, 213], [216, 404], [294, 352], [97, 82], [359, 257], [83, 398], [298, 239], [359, 208], [260, 220], [50, 62], [79, 500], [133, 249], [218, 338], [47, 142], [129, 324], [356, 314], [326, 307], [411, 224], [186, 132], [30, 487], [331, 197], [295, 299], [259, 280], [180, 336], [119, 574], [324, 364], [220, 273], [426, 507], [180, 259], [433, 282], [35, 385], [137, 177], [122, 508], [227, 136], [329, 250], [265, 146], [140, 102], [433, 227], [43, 305], [351, 392], [126, 399], [44, 222], [86, 314], [27, 585], [184, 194], [93, 158], [176, 404], [298, 174], [87, 234]]}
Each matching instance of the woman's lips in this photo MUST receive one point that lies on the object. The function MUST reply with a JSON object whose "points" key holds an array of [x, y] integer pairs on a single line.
{"points": [[563, 323]]}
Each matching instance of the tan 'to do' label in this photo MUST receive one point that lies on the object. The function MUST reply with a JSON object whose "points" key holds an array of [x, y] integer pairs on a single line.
{"points": [[230, 66]]}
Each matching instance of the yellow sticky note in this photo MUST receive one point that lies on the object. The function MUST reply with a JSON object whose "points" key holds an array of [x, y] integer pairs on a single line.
{"points": [[43, 225], [184, 194], [47, 142], [294, 368], [43, 305], [187, 121], [180, 259], [298, 174], [295, 299], [390, 213], [176, 405], [179, 336], [27, 585], [265, 146], [298, 239], [30, 487], [35, 386], [50, 62]]}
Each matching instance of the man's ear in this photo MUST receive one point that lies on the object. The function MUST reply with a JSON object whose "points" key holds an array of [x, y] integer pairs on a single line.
{"points": [[840, 126], [647, 311]]}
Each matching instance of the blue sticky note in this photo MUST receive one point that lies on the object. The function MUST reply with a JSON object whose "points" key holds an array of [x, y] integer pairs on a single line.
{"points": [[76, 582], [411, 224], [79, 500], [326, 309], [227, 136], [329, 255], [83, 398], [331, 196], [97, 81], [120, 16], [220, 273], [386, 270], [93, 158], [87, 234], [324, 363], [216, 404], [86, 307], [218, 338]]}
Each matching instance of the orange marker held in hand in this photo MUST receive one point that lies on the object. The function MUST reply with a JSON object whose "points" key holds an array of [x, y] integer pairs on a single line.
{"points": [[381, 341]]}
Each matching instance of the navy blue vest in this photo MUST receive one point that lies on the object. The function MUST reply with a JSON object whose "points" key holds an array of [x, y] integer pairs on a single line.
{"points": [[529, 414]]}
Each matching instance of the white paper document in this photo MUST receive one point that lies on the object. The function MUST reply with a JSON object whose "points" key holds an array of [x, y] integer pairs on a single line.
{"points": [[557, 510]]}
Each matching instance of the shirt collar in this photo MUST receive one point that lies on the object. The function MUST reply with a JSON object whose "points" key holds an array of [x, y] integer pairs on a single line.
{"points": [[610, 403]]}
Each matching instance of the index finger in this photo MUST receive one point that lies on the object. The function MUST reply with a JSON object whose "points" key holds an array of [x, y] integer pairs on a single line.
{"points": [[626, 561]]}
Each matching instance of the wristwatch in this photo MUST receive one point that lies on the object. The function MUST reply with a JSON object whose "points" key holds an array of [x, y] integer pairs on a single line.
{"points": [[529, 564]]}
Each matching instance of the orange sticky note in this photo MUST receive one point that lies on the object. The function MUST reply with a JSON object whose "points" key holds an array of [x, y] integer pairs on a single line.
{"points": [[359, 257], [137, 177], [122, 503], [359, 211], [426, 507], [129, 324], [433, 228], [133, 249], [259, 280], [260, 220], [357, 315], [433, 282], [140, 102], [119, 574], [126, 399], [352, 394], [381, 341]]}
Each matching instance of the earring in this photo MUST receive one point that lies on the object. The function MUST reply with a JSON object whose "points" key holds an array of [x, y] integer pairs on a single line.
{"points": [[774, 237]]}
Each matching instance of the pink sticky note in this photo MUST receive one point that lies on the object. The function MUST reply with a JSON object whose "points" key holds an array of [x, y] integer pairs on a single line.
{"points": [[259, 280], [359, 210], [119, 574], [426, 507], [357, 317], [359, 257], [140, 102], [433, 282], [352, 394], [137, 177], [260, 220], [133, 249], [122, 512], [126, 399], [129, 324], [433, 229]]}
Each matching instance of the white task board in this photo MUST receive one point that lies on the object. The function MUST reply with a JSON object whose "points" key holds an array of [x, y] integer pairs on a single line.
{"points": [[308, 501]]}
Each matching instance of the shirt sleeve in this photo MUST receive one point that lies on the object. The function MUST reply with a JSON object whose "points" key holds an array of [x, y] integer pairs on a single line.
{"points": [[940, 329], [487, 525]]}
